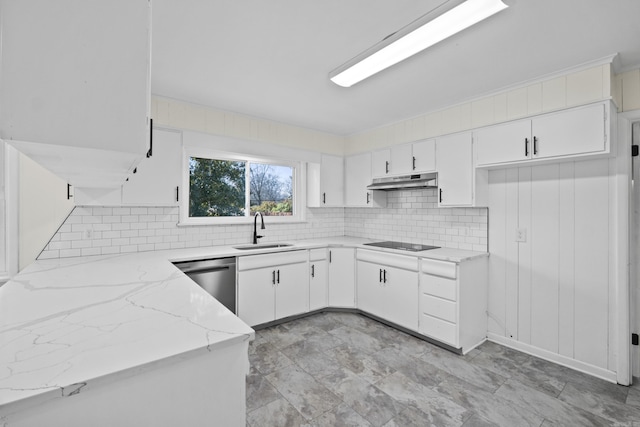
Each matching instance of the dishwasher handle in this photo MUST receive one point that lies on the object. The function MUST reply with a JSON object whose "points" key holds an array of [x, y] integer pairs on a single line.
{"points": [[205, 269], [206, 265]]}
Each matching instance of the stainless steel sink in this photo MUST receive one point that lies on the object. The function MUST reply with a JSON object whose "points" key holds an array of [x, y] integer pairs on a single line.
{"points": [[262, 246]]}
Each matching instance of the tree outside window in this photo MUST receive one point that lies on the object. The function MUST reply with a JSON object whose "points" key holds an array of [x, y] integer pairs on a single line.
{"points": [[217, 188]]}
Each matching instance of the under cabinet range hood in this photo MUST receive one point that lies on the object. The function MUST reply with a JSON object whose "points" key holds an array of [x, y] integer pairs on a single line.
{"points": [[422, 180]]}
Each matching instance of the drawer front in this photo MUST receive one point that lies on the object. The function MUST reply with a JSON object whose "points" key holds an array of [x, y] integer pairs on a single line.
{"points": [[439, 329], [271, 260], [438, 268], [404, 262], [317, 254], [439, 286], [438, 307]]}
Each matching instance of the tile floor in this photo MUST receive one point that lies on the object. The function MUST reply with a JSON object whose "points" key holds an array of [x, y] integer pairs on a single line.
{"points": [[342, 369]]}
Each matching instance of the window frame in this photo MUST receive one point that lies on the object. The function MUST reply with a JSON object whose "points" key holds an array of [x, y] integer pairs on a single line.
{"points": [[297, 187]]}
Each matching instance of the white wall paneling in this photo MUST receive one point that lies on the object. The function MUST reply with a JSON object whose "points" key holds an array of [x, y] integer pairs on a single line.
{"points": [[543, 242], [554, 285]]}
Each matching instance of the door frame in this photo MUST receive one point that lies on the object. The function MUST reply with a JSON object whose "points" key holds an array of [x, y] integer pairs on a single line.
{"points": [[627, 195]]}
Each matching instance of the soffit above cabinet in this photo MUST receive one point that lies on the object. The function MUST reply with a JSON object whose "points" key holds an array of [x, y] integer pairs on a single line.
{"points": [[74, 81], [81, 167]]}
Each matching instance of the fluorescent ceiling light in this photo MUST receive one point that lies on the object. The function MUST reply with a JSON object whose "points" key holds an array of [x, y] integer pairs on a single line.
{"points": [[426, 31]]}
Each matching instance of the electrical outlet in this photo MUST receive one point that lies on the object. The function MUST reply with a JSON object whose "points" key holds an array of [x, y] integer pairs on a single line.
{"points": [[521, 235], [88, 234]]}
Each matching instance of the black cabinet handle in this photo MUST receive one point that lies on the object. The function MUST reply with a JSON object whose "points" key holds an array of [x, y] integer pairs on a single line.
{"points": [[278, 279], [526, 147], [150, 152], [441, 195], [380, 279], [329, 257], [386, 167], [324, 198], [69, 195], [535, 145], [414, 163], [385, 276], [177, 194], [313, 270], [273, 277], [368, 197]]}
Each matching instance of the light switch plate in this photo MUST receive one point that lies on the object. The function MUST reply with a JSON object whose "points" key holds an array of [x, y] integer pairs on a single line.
{"points": [[521, 234]]}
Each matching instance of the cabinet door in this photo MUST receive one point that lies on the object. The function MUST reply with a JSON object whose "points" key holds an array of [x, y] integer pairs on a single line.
{"points": [[158, 177], [455, 170], [401, 160], [292, 290], [424, 156], [357, 170], [332, 178], [318, 290], [341, 277], [509, 142], [325, 182], [380, 163], [256, 296], [371, 292], [572, 132], [400, 297]]}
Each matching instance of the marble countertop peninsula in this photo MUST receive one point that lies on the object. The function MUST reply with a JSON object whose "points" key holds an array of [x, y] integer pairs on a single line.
{"points": [[66, 324]]}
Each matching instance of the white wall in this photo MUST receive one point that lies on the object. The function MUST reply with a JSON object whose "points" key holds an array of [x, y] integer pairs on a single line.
{"points": [[43, 207], [554, 292], [181, 115]]}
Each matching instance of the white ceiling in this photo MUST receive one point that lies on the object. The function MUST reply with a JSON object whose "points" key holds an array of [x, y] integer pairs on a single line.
{"points": [[271, 58]]}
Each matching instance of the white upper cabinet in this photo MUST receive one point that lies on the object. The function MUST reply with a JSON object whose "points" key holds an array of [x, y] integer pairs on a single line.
{"points": [[455, 170], [405, 159], [381, 163], [325, 182], [576, 132], [357, 171], [158, 177], [75, 86], [424, 156], [401, 160]]}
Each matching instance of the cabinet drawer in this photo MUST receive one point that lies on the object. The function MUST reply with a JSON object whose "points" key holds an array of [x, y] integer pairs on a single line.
{"points": [[317, 254], [439, 286], [271, 260], [438, 307], [441, 330], [438, 268]]}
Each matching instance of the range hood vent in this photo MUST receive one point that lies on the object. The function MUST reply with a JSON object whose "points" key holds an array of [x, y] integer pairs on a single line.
{"points": [[416, 181]]}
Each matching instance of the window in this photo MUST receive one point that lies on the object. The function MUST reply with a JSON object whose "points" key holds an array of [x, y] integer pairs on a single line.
{"points": [[225, 188]]}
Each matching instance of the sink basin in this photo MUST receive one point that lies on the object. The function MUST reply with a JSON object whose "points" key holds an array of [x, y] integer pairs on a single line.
{"points": [[262, 246]]}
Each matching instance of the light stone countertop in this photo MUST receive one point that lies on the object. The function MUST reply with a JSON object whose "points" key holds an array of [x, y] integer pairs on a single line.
{"points": [[69, 323]]}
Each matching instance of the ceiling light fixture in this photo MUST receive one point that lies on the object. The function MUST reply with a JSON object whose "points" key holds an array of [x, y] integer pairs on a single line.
{"points": [[444, 21]]}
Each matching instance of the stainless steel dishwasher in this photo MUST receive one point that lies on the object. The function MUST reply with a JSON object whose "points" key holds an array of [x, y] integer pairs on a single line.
{"points": [[216, 276]]}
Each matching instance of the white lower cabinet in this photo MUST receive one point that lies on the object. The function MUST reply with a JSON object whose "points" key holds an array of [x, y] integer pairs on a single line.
{"points": [[387, 286], [342, 277], [453, 302], [272, 286], [318, 284]]}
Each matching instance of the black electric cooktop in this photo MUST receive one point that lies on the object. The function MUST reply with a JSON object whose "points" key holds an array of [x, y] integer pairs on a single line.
{"points": [[412, 247]]}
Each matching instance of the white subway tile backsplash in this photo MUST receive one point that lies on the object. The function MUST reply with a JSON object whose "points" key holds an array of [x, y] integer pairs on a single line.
{"points": [[411, 216]]}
